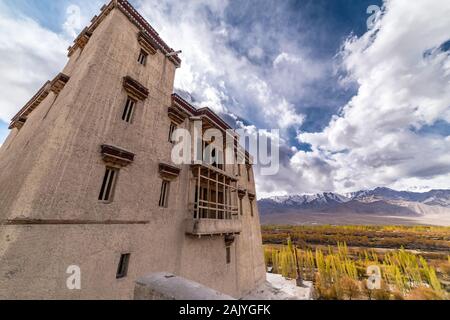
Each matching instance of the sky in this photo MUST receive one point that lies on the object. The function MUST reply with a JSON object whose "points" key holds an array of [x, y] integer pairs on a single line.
{"points": [[357, 108]]}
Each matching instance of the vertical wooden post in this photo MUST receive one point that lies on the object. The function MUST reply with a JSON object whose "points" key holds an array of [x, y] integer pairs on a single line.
{"points": [[199, 195], [225, 199], [209, 194], [217, 195]]}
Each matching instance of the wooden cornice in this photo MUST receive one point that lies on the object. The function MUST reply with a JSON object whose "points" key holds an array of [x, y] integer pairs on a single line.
{"points": [[205, 113], [116, 156], [59, 82], [178, 114], [241, 192], [20, 122], [180, 102], [251, 196], [30, 106], [147, 43], [168, 171], [135, 89], [134, 17], [55, 86], [81, 41], [211, 117]]}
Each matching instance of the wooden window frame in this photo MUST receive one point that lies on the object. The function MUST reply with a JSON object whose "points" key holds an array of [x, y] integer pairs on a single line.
{"points": [[164, 194], [228, 254], [143, 56], [122, 268], [129, 110], [109, 183], [172, 128]]}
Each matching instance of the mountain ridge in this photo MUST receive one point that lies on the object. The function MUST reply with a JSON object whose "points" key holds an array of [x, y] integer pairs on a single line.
{"points": [[440, 197], [373, 206]]}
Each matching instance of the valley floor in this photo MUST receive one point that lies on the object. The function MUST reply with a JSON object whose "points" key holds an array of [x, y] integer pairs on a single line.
{"points": [[414, 261], [311, 219]]}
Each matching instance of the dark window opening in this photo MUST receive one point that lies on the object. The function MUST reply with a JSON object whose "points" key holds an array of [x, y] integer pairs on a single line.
{"points": [[122, 270], [172, 129], [143, 57], [128, 111], [251, 207], [218, 159], [164, 197], [108, 185], [248, 174], [228, 255], [241, 206]]}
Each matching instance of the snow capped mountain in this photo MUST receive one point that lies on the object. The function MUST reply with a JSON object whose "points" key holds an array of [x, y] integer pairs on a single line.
{"points": [[380, 202], [432, 198], [306, 199]]}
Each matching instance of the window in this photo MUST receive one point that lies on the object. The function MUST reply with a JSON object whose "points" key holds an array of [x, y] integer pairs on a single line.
{"points": [[143, 57], [172, 129], [164, 197], [108, 185], [128, 111], [228, 255], [239, 170], [241, 207], [122, 270], [248, 174], [251, 207], [217, 157]]}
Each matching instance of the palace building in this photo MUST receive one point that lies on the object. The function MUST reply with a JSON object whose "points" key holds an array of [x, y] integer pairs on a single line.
{"points": [[87, 178]]}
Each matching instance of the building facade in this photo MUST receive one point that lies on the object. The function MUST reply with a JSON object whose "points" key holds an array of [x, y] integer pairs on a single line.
{"points": [[87, 178]]}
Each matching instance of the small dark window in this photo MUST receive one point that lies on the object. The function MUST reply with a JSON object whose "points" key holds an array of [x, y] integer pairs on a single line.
{"points": [[164, 197], [251, 207], [108, 185], [241, 207], [228, 255], [172, 129], [248, 174], [239, 170], [213, 158], [217, 159], [122, 270], [128, 111], [143, 57]]}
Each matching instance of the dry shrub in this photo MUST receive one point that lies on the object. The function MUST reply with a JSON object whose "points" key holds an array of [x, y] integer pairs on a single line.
{"points": [[424, 293]]}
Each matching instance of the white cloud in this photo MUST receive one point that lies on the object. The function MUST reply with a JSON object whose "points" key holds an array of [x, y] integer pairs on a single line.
{"points": [[402, 76], [286, 58], [30, 55], [256, 52], [212, 71], [377, 139]]}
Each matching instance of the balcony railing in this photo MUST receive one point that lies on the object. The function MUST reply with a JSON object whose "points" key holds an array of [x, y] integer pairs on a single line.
{"points": [[215, 208], [215, 194]]}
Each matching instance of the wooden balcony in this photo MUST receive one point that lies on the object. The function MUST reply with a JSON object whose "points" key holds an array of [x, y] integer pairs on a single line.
{"points": [[210, 227]]}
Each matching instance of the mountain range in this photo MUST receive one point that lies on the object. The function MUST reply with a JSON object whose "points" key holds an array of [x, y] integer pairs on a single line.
{"points": [[378, 206]]}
